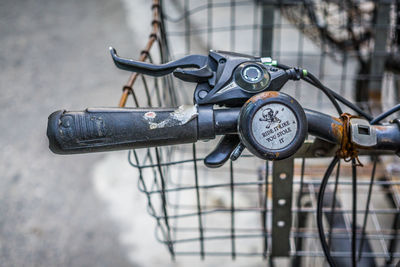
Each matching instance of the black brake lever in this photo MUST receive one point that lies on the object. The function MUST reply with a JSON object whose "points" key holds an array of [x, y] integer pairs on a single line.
{"points": [[223, 78], [203, 73]]}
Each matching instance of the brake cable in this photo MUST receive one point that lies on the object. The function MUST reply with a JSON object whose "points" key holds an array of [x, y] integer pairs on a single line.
{"points": [[385, 114], [335, 95], [320, 200]]}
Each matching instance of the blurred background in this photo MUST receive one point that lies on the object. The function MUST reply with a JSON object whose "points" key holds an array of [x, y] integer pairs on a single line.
{"points": [[55, 56], [86, 210]]}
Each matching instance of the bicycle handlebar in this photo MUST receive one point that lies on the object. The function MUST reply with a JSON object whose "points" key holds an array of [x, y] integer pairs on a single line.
{"points": [[110, 129]]}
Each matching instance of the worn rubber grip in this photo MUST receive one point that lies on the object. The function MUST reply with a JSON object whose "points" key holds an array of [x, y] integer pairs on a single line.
{"points": [[109, 129]]}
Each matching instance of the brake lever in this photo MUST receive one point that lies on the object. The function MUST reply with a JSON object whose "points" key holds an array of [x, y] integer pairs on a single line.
{"points": [[201, 74], [223, 78]]}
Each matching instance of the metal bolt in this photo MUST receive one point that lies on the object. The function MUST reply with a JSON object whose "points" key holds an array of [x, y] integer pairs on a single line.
{"points": [[202, 94], [273, 69]]}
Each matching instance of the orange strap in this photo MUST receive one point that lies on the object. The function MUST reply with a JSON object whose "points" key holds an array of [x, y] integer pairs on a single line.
{"points": [[347, 150]]}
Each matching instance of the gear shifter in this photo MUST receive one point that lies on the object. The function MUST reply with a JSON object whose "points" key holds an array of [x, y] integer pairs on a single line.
{"points": [[223, 78]]}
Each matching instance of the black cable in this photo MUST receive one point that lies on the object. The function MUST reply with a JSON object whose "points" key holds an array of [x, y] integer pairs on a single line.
{"points": [[298, 73], [328, 93], [385, 114], [351, 105], [344, 101], [354, 212], [320, 205], [282, 66], [333, 204], [340, 98], [372, 120]]}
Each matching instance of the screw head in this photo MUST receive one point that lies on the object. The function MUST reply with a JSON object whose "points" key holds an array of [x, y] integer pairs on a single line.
{"points": [[202, 94]]}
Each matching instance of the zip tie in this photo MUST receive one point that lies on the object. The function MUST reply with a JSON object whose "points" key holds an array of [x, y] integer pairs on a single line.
{"points": [[145, 52], [153, 6], [128, 88], [153, 35]]}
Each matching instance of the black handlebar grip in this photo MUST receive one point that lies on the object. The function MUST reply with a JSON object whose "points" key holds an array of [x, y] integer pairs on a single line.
{"points": [[109, 129]]}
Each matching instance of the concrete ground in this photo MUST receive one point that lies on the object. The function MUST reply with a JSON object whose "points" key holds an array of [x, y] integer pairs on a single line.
{"points": [[54, 54]]}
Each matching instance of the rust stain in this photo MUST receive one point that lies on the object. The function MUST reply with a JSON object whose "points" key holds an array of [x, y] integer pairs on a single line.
{"points": [[337, 119], [263, 96], [382, 128], [337, 130], [347, 150], [277, 154]]}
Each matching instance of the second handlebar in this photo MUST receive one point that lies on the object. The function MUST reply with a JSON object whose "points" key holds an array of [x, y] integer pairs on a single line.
{"points": [[110, 129]]}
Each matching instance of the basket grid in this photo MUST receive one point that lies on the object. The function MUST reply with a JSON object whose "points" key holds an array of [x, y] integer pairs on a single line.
{"points": [[228, 211]]}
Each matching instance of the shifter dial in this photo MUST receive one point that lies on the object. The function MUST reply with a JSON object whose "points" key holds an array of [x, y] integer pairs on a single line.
{"points": [[252, 77]]}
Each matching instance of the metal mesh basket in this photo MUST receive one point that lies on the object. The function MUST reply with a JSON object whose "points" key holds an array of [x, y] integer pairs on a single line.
{"points": [[265, 209]]}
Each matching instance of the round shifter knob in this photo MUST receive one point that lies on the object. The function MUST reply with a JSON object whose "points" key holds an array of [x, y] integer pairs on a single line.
{"points": [[252, 74], [272, 125], [252, 77]]}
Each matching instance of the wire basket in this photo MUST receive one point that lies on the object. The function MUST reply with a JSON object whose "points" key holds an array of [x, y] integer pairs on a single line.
{"points": [[236, 210]]}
